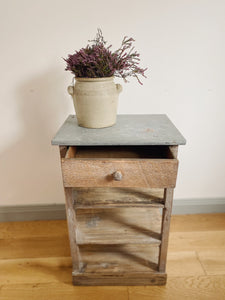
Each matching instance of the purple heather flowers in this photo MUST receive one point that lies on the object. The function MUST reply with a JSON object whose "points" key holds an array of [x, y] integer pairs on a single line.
{"points": [[97, 60]]}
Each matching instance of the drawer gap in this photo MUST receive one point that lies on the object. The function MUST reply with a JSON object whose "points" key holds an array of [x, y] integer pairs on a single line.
{"points": [[158, 152]]}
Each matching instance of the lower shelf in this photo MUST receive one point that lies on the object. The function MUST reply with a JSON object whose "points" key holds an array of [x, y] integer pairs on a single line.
{"points": [[119, 264]]}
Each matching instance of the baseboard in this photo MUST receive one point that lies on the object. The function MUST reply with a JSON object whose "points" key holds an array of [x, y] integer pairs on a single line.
{"points": [[57, 211], [32, 212], [198, 206]]}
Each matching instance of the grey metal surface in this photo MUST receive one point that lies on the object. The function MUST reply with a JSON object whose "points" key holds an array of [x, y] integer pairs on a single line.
{"points": [[128, 130]]}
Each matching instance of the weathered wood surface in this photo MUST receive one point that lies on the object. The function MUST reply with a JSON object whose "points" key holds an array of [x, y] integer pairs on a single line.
{"points": [[118, 226], [173, 151], [197, 251], [119, 259], [117, 197], [128, 130], [119, 265], [89, 179], [152, 173], [165, 229], [72, 228], [71, 152], [120, 280]]}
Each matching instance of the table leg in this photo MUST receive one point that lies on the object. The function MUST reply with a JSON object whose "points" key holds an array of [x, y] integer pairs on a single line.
{"points": [[168, 198], [72, 227]]}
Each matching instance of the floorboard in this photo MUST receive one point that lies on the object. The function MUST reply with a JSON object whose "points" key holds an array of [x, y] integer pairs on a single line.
{"points": [[35, 263]]}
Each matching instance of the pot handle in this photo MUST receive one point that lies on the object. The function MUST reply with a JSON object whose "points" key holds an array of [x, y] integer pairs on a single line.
{"points": [[70, 90], [119, 87]]}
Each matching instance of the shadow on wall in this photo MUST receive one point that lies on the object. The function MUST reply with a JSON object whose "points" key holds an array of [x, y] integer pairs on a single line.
{"points": [[30, 169]]}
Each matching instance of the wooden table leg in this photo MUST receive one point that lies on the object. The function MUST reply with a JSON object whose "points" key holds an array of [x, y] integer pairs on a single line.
{"points": [[72, 227], [168, 198]]}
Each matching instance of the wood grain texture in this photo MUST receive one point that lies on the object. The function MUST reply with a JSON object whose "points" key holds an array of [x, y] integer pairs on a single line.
{"points": [[193, 287], [59, 291], [184, 264], [63, 150], [168, 198], [122, 279], [213, 262], [49, 277], [119, 226], [196, 240], [173, 151], [33, 270], [152, 173], [71, 152], [44, 246], [117, 197], [119, 265], [198, 222], [72, 228], [28, 229]]}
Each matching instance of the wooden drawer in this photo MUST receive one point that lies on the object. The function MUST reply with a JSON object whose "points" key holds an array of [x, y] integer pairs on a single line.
{"points": [[139, 166]]}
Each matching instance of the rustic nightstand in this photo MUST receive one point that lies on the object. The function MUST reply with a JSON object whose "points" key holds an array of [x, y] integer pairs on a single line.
{"points": [[119, 185]]}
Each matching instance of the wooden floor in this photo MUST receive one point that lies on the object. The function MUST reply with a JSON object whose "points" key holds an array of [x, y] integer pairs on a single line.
{"points": [[35, 263]]}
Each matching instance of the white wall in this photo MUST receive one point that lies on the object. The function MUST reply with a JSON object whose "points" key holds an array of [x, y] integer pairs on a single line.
{"points": [[181, 41]]}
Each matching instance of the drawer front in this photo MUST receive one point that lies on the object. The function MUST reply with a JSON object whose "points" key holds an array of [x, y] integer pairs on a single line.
{"points": [[153, 173]]}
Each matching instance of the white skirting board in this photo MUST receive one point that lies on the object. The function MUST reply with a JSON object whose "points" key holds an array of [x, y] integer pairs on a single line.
{"points": [[57, 211]]}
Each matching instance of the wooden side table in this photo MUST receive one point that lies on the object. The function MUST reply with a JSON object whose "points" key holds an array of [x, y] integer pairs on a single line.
{"points": [[117, 180]]}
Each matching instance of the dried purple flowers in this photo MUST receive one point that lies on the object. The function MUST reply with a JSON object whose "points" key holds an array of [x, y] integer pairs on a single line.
{"points": [[97, 60]]}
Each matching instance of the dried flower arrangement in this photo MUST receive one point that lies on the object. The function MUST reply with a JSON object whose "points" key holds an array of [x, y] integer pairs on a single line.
{"points": [[97, 60]]}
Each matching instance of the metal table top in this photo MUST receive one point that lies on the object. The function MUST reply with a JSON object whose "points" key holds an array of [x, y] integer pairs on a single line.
{"points": [[128, 130]]}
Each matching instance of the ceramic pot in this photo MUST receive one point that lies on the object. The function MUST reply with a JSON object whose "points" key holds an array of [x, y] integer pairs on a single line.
{"points": [[95, 101]]}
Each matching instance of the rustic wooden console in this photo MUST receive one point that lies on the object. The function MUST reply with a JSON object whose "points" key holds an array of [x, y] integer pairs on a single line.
{"points": [[119, 185]]}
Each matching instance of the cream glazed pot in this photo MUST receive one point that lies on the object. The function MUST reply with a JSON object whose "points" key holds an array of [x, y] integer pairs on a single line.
{"points": [[95, 101]]}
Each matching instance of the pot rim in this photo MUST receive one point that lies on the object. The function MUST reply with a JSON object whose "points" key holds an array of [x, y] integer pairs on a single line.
{"points": [[90, 79]]}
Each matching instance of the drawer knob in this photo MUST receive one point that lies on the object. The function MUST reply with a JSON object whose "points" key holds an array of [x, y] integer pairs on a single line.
{"points": [[117, 176]]}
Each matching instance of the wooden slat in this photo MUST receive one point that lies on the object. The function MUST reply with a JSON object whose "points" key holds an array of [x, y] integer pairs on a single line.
{"points": [[151, 173], [116, 259], [120, 280], [165, 229], [117, 197], [119, 226], [119, 265]]}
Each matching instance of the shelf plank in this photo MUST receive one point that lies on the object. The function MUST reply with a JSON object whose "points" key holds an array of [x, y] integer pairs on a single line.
{"points": [[119, 264], [118, 226], [117, 197]]}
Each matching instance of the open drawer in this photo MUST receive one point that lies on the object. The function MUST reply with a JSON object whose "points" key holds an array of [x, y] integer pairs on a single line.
{"points": [[119, 166]]}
